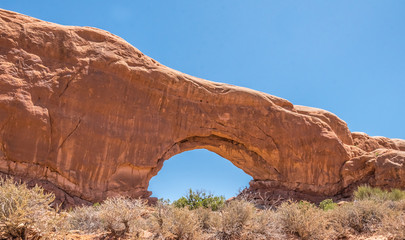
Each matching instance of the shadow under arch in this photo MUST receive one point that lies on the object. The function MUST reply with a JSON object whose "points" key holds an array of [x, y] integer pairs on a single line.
{"points": [[198, 169], [237, 153]]}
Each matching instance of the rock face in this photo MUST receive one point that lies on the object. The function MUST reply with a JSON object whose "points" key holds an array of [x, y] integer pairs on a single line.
{"points": [[85, 112]]}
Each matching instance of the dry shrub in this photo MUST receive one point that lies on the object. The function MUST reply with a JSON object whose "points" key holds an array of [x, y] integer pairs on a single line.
{"points": [[393, 225], [85, 219], [206, 217], [54, 226], [117, 216], [265, 225], [397, 205], [235, 217], [120, 215], [170, 222], [27, 213], [359, 217], [304, 220]]}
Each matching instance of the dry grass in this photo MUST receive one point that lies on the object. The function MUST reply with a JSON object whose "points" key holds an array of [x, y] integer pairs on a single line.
{"points": [[29, 214]]}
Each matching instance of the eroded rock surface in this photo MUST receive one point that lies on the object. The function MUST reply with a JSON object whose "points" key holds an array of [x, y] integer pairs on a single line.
{"points": [[86, 112]]}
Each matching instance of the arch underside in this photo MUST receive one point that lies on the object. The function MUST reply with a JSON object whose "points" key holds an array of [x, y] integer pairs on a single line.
{"points": [[235, 152], [248, 161]]}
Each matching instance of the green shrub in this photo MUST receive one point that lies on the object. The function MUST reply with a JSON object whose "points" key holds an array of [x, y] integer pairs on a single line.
{"points": [[197, 199], [376, 194], [397, 195], [327, 204], [368, 193]]}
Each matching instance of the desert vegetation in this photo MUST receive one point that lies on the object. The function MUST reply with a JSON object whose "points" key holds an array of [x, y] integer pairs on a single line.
{"points": [[30, 214]]}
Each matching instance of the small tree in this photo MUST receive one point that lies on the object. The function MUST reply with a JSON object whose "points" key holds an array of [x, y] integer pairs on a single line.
{"points": [[200, 198]]}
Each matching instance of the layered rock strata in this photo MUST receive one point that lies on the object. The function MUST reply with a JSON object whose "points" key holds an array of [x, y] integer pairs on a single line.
{"points": [[87, 113]]}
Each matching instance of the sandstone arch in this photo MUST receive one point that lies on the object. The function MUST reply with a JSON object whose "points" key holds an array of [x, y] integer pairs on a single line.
{"points": [[87, 113]]}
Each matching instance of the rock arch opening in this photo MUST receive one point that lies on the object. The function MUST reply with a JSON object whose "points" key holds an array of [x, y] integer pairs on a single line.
{"points": [[198, 169]]}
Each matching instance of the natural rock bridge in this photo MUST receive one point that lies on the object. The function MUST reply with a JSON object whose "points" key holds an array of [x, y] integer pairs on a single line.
{"points": [[89, 116]]}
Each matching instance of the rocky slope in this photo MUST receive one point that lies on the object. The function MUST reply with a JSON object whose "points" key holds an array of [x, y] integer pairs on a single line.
{"points": [[89, 116]]}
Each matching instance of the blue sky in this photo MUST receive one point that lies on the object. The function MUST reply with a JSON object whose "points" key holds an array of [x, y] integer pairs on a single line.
{"points": [[347, 57]]}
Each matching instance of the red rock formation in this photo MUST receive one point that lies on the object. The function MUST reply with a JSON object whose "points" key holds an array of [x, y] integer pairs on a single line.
{"points": [[84, 111]]}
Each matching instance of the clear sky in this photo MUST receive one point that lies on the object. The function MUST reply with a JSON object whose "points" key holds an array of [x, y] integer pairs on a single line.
{"points": [[347, 57]]}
